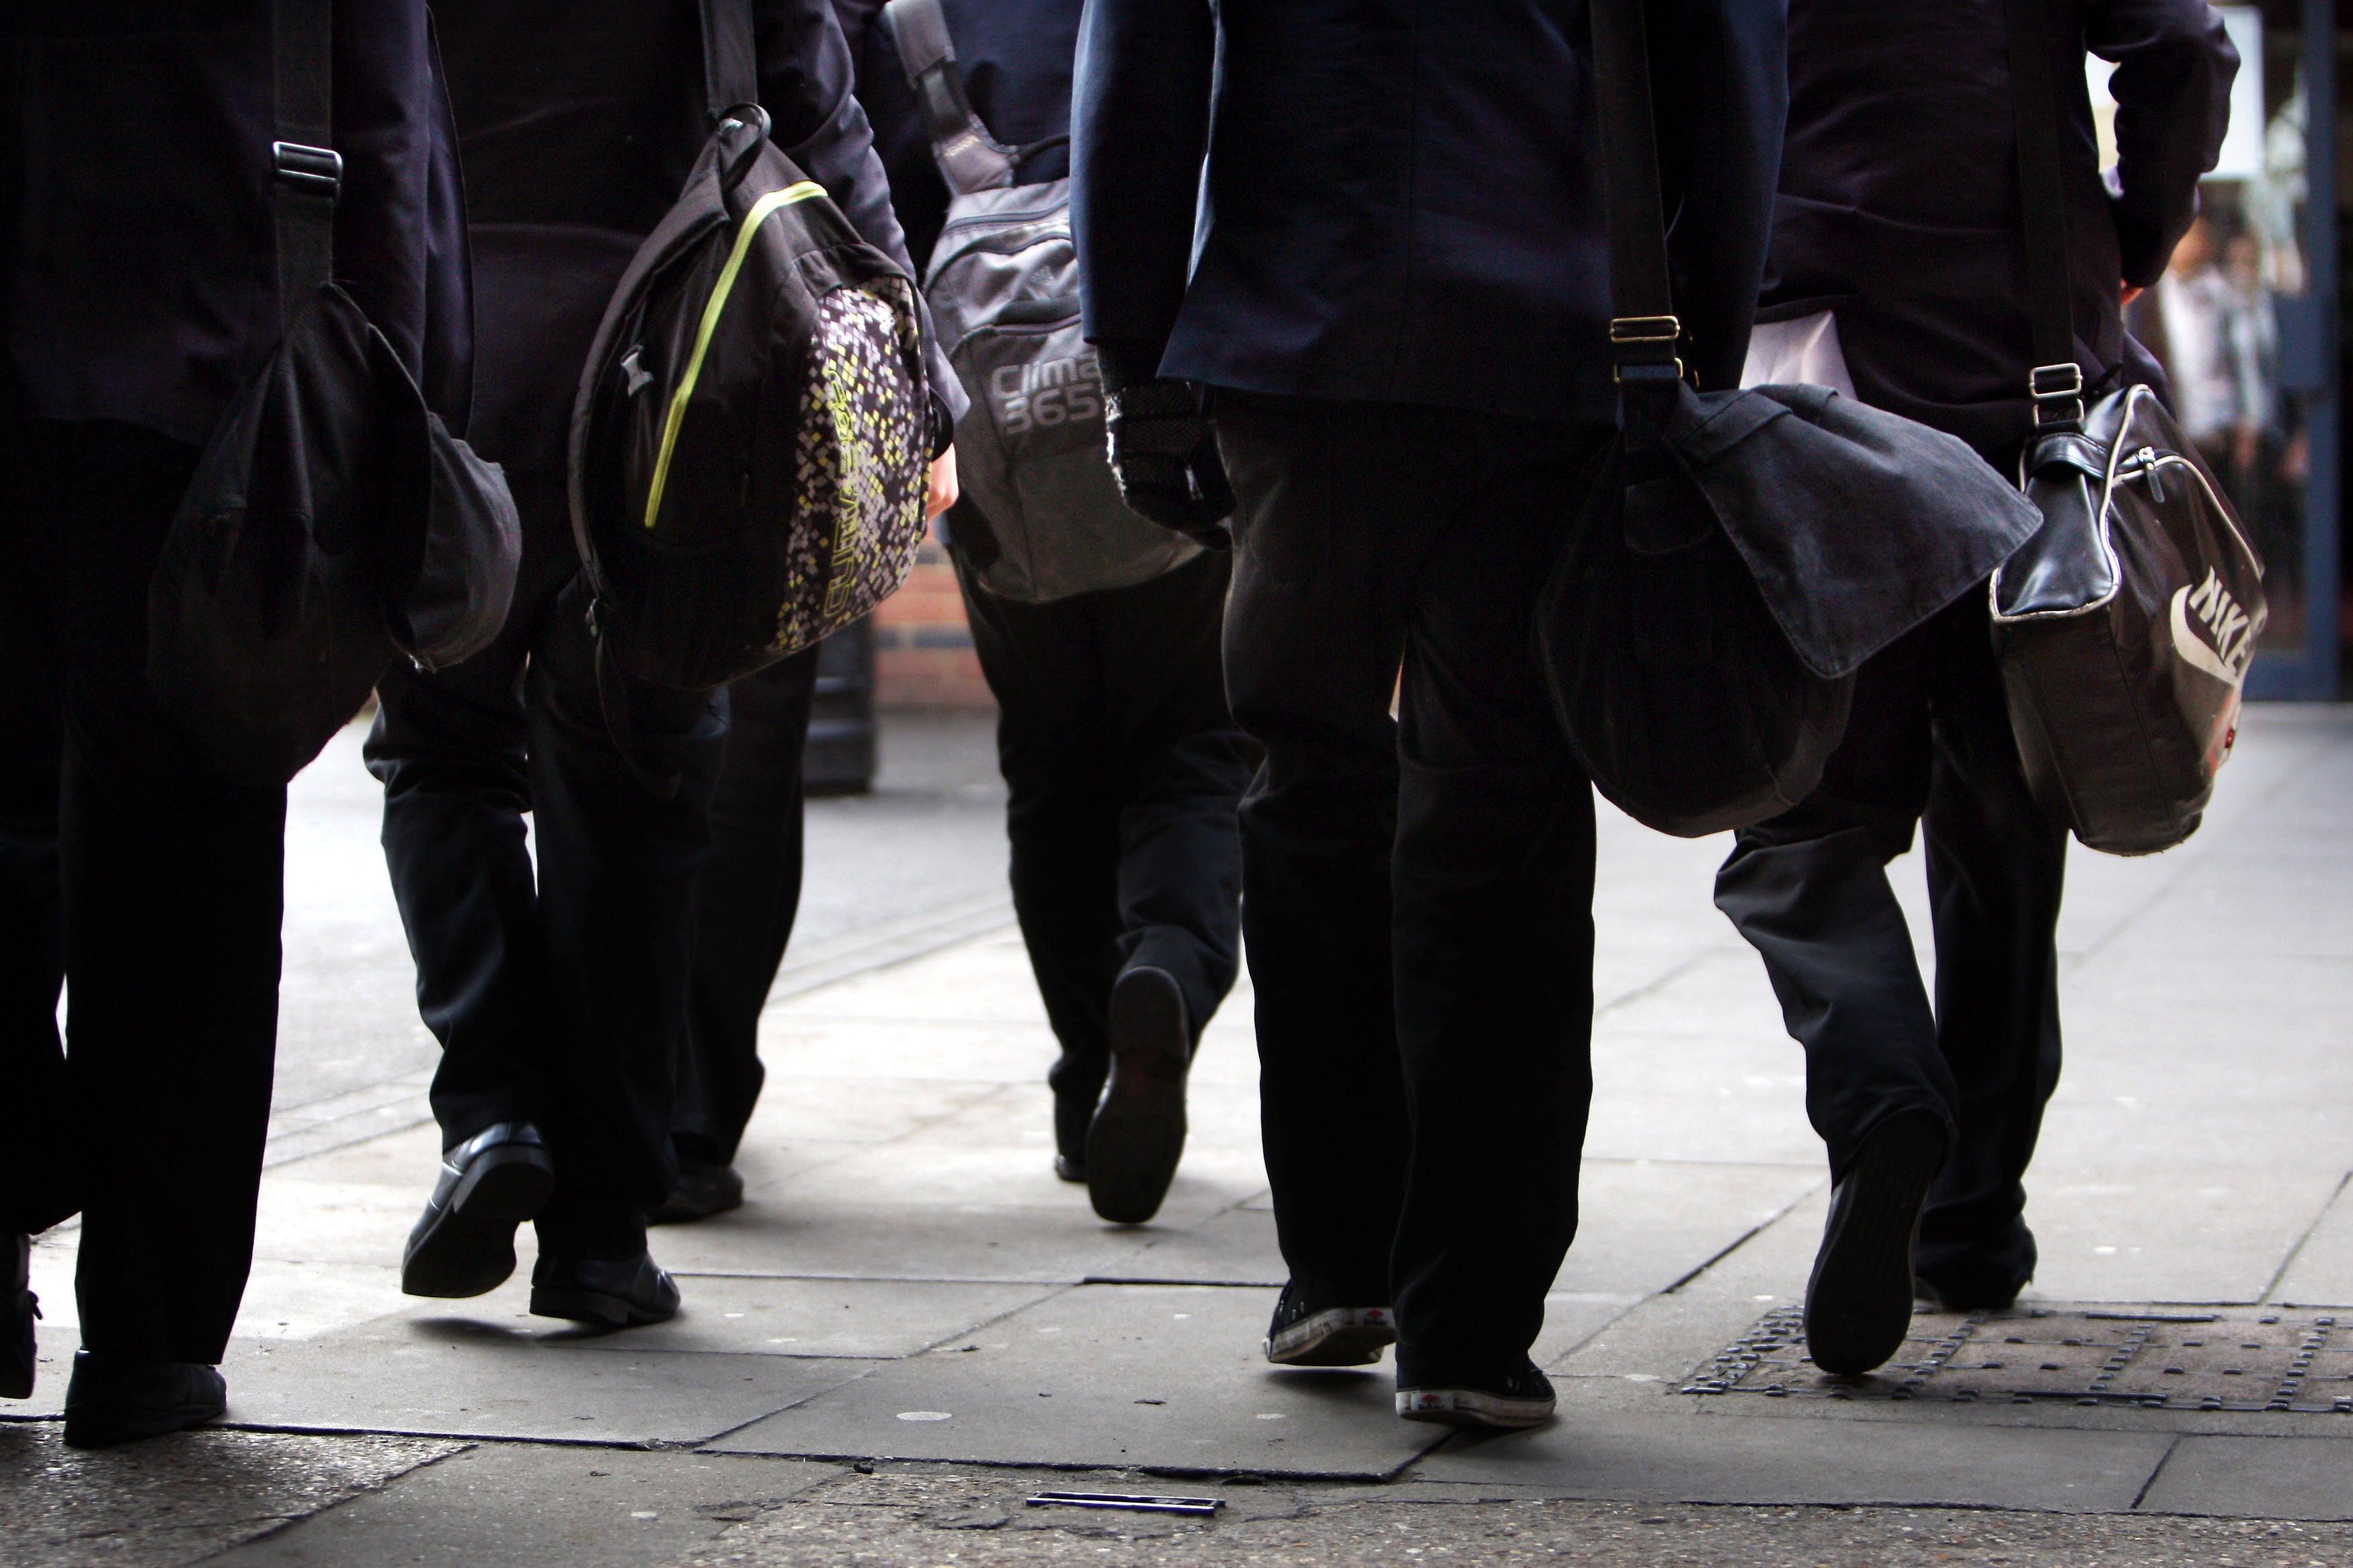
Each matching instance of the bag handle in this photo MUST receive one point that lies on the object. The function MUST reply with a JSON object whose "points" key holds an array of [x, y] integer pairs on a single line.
{"points": [[2056, 382], [306, 171], [730, 71], [1644, 331], [970, 159]]}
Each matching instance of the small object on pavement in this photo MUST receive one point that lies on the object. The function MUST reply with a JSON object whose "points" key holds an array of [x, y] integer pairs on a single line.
{"points": [[1140, 1502]]}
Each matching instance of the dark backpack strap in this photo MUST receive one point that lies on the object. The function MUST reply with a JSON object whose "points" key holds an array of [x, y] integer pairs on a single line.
{"points": [[2056, 382], [1643, 329], [970, 159], [730, 68], [307, 172]]}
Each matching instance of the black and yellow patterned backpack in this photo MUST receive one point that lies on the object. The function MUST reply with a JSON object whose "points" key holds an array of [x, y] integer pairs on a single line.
{"points": [[753, 430]]}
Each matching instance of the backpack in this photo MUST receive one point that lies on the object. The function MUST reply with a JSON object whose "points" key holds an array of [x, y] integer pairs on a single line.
{"points": [[752, 432], [1046, 521], [333, 522]]}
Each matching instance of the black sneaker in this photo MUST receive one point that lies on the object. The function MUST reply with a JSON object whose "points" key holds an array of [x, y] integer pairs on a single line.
{"points": [[1522, 1399], [110, 1401], [700, 1191], [18, 1307], [463, 1244], [1138, 1131], [1304, 1334], [611, 1293], [1859, 1301]]}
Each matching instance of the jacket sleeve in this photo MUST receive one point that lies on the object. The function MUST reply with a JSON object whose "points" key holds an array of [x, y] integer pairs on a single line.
{"points": [[1139, 131], [1720, 87], [805, 81], [2172, 87]]}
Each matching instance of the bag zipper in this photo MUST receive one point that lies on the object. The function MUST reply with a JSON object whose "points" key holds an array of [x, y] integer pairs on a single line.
{"points": [[2143, 465]]}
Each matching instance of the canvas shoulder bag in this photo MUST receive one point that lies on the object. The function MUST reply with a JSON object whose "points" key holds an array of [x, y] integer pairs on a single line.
{"points": [[1736, 555], [2126, 625], [333, 522]]}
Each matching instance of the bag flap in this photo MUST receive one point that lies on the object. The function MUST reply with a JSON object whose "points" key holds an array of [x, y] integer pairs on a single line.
{"points": [[1859, 525]]}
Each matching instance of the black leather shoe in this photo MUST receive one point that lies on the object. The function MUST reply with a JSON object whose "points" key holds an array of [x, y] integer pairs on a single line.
{"points": [[1306, 1333], [110, 1400], [700, 1191], [1073, 1114], [613, 1293], [18, 1307], [1524, 1398], [1859, 1301], [463, 1243], [1138, 1131]]}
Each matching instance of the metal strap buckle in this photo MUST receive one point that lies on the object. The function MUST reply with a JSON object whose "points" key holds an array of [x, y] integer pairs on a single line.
{"points": [[313, 169], [1646, 341], [2058, 393]]}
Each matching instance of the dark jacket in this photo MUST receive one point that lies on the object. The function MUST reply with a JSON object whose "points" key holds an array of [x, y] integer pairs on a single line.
{"points": [[1015, 56], [138, 281], [1402, 201], [578, 124], [1899, 188]]}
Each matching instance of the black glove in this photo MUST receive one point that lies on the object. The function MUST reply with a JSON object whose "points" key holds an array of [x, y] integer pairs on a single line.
{"points": [[1163, 452]]}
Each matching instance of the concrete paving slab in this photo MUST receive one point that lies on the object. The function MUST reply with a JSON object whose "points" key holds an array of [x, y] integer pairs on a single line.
{"points": [[846, 1239], [2139, 1234], [2321, 1272], [1011, 1170], [517, 1506], [1163, 1377], [1236, 1248], [2256, 1478], [178, 1498], [796, 1107], [874, 1318], [1733, 1460], [464, 1380], [1642, 1224], [803, 1043]]}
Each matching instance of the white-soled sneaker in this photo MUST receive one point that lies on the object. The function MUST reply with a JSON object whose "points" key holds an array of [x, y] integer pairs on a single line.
{"points": [[1524, 1399], [1303, 1334]]}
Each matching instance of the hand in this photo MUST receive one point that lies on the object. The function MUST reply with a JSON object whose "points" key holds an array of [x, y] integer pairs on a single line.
{"points": [[942, 492], [1164, 453], [2132, 293]]}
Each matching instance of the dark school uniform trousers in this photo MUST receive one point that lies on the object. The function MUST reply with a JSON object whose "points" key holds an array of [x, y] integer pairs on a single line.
{"points": [[745, 903], [1417, 893], [150, 893], [1123, 769], [559, 997], [1928, 742]]}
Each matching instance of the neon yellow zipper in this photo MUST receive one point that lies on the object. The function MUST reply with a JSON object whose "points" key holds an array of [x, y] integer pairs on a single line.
{"points": [[759, 214]]}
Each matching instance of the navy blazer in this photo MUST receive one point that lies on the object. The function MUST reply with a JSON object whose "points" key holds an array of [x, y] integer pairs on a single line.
{"points": [[139, 282], [1402, 202], [578, 125], [1899, 207], [1015, 56]]}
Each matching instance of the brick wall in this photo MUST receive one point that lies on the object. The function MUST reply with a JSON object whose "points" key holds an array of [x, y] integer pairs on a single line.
{"points": [[923, 650]]}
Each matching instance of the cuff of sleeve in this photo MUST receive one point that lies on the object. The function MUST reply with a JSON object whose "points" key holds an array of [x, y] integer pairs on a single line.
{"points": [[1128, 362]]}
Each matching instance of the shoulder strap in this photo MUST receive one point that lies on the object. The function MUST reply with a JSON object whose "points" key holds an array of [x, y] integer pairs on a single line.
{"points": [[970, 159], [2056, 382], [307, 172], [1643, 328], [731, 70]]}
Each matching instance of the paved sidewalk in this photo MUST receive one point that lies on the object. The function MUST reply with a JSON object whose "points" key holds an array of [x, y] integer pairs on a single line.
{"points": [[909, 1291]]}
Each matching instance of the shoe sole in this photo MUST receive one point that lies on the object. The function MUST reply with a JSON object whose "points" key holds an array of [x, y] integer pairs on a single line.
{"points": [[594, 1307], [1858, 1300], [1137, 1135], [1338, 1336], [468, 1249], [1470, 1407]]}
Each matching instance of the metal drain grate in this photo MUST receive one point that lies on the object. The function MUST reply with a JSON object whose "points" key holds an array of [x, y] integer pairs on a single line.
{"points": [[2153, 1358]]}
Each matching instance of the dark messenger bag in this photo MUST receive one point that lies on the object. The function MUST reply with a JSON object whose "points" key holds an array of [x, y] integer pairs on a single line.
{"points": [[332, 523], [1736, 555], [2126, 625]]}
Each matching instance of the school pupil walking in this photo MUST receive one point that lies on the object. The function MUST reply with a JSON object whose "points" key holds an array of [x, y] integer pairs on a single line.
{"points": [[1096, 630], [558, 980]]}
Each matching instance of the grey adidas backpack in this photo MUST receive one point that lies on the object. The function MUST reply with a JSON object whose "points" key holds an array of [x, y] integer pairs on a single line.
{"points": [[1002, 286]]}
